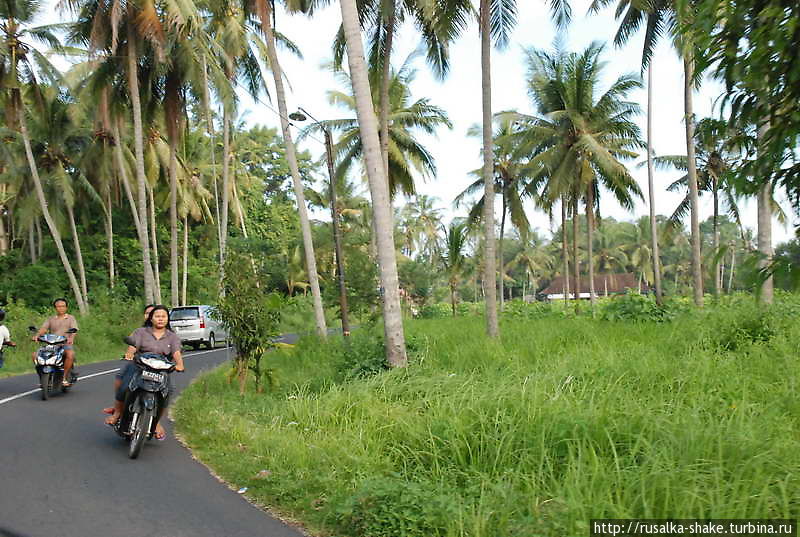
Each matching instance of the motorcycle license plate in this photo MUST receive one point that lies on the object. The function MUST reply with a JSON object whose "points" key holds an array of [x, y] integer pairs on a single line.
{"points": [[155, 377]]}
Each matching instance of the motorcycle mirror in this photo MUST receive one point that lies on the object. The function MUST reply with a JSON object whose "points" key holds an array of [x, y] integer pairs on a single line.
{"points": [[129, 341], [72, 331], [32, 328]]}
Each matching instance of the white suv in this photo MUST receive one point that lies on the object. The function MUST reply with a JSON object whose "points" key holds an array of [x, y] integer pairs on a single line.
{"points": [[195, 326]]}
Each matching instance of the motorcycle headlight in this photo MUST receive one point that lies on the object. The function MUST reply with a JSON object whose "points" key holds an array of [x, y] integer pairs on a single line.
{"points": [[41, 360], [156, 363]]}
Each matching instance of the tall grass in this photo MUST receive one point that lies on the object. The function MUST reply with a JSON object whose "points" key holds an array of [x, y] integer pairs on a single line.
{"points": [[565, 420]]}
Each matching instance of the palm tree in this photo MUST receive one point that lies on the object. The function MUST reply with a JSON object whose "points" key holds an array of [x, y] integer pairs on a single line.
{"points": [[513, 173], [262, 10], [454, 258], [715, 158], [496, 18], [534, 258], [128, 38], [19, 64], [582, 134], [406, 154], [421, 221], [674, 18], [379, 187]]}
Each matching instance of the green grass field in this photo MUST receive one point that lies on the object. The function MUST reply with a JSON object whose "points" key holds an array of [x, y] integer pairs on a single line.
{"points": [[565, 420]]}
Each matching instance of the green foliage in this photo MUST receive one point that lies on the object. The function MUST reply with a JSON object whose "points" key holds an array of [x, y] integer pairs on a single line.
{"points": [[442, 310], [635, 307], [36, 285], [396, 507], [517, 309], [250, 317]]}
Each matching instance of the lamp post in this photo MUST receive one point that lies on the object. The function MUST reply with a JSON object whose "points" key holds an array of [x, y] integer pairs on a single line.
{"points": [[302, 115]]}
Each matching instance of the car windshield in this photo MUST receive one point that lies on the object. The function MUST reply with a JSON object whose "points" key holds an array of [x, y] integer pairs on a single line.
{"points": [[184, 314]]}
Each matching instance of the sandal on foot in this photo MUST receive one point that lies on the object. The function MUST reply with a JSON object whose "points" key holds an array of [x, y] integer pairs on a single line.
{"points": [[108, 410]]}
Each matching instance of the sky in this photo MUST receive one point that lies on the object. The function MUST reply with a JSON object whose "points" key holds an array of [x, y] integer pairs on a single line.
{"points": [[457, 154]]}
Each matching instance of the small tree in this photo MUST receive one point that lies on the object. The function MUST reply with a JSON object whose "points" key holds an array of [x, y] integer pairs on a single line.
{"points": [[250, 316]]}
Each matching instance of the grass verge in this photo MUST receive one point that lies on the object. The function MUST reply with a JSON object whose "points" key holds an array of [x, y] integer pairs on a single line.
{"points": [[565, 420]]}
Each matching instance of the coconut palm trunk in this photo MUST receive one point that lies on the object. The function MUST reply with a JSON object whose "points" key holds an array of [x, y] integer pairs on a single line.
{"points": [[576, 266], [500, 258], [32, 245], [489, 267], [223, 218], [185, 259], [765, 295], [154, 242], [39, 239], [141, 178], [110, 238], [379, 188], [141, 231], [291, 158], [565, 249], [37, 183], [691, 174], [589, 238], [78, 252], [385, 77], [3, 232], [173, 219], [717, 264], [650, 189]]}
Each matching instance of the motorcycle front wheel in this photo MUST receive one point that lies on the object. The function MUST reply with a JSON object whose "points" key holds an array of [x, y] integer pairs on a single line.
{"points": [[46, 379], [141, 430]]}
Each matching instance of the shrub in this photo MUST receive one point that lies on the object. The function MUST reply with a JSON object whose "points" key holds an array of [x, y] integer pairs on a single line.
{"points": [[635, 307], [363, 354], [436, 311], [394, 507], [518, 309]]}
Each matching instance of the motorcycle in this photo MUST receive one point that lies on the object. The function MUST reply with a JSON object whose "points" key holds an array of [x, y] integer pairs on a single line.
{"points": [[146, 396], [50, 363]]}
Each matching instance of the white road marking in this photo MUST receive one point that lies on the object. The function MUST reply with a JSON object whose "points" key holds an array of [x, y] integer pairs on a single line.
{"points": [[29, 392]]}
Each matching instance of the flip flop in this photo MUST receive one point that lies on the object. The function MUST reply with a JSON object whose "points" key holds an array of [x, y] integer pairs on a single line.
{"points": [[108, 410], [162, 437]]}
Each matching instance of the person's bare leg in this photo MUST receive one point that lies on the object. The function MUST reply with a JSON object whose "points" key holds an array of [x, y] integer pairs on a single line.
{"points": [[69, 359], [112, 419], [117, 384]]}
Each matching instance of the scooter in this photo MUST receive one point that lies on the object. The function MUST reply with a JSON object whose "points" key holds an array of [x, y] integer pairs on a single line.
{"points": [[146, 396], [50, 363]]}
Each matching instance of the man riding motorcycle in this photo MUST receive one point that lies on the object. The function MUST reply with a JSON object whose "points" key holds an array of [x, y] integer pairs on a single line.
{"points": [[60, 324]]}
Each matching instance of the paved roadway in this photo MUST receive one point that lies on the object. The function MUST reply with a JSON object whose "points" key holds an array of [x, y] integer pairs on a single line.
{"points": [[63, 473]]}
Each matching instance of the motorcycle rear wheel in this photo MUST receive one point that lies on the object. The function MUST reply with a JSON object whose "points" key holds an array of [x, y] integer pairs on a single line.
{"points": [[144, 422]]}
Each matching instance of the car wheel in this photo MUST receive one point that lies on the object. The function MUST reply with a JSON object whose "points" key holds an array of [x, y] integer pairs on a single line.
{"points": [[212, 342]]}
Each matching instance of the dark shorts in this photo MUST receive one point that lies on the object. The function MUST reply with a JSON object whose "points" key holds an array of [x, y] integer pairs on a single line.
{"points": [[126, 374]]}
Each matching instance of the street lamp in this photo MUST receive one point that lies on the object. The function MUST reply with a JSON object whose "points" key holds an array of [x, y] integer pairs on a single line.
{"points": [[302, 115]]}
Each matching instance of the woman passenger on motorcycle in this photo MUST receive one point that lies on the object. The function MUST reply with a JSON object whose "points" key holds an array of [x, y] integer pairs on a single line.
{"points": [[155, 337], [127, 369]]}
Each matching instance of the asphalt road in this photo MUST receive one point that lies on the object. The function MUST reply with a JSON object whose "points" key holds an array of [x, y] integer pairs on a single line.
{"points": [[63, 473]]}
